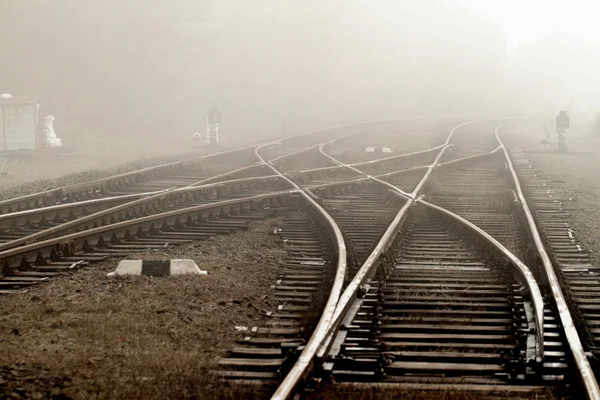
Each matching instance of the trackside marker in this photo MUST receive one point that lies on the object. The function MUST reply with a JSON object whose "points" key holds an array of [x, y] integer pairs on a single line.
{"points": [[157, 268]]}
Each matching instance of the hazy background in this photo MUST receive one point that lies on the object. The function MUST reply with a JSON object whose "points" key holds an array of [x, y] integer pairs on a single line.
{"points": [[150, 67]]}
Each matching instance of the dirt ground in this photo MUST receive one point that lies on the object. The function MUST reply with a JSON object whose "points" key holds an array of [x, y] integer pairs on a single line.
{"points": [[95, 156], [90, 159], [574, 174], [85, 336]]}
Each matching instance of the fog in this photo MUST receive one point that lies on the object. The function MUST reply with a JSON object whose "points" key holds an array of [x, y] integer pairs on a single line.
{"points": [[152, 67]]}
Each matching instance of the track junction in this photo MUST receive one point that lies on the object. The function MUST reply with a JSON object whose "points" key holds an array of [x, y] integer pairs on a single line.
{"points": [[432, 268]]}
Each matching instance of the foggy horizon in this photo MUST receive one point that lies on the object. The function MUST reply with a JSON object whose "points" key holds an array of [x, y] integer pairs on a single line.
{"points": [[299, 199], [273, 67]]}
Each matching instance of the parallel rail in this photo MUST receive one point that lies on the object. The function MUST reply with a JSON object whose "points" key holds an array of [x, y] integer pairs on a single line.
{"points": [[583, 366], [83, 190], [71, 237], [293, 381], [324, 339]]}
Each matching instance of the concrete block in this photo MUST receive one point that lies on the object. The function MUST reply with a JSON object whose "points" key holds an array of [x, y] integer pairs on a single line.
{"points": [[157, 268]]}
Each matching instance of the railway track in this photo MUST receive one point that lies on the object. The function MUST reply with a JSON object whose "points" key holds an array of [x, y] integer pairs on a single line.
{"points": [[442, 314], [191, 172], [40, 214], [380, 288], [362, 212], [574, 267], [396, 323], [40, 242], [266, 350]]}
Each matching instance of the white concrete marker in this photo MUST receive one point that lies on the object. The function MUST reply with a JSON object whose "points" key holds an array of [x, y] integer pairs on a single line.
{"points": [[157, 268], [378, 150]]}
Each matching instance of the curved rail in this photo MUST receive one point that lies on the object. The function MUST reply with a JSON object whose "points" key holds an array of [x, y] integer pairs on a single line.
{"points": [[139, 199], [15, 256], [470, 158], [300, 369], [368, 178], [135, 200], [320, 339], [45, 197], [223, 175], [377, 160], [583, 365], [41, 198], [524, 272], [62, 191], [7, 219], [291, 382], [80, 223]]}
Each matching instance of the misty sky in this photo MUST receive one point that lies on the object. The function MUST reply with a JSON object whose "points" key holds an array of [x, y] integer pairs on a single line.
{"points": [[523, 20], [280, 66]]}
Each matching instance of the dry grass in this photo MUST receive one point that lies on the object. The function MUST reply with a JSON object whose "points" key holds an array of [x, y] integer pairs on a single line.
{"points": [[86, 336]]}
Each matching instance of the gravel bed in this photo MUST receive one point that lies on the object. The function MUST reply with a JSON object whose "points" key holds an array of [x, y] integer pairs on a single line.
{"points": [[572, 175], [85, 336]]}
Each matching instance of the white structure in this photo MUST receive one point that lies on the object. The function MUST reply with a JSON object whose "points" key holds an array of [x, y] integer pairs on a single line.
{"points": [[51, 138], [378, 150], [157, 268], [213, 119]]}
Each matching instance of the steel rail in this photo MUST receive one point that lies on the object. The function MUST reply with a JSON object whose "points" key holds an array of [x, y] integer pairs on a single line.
{"points": [[386, 120], [421, 151], [139, 199], [224, 174], [65, 190], [62, 191], [14, 255], [301, 367], [430, 168], [273, 160], [583, 366], [368, 267], [375, 161], [76, 223], [150, 196], [470, 158], [291, 382], [368, 178], [144, 197], [525, 273], [19, 215]]}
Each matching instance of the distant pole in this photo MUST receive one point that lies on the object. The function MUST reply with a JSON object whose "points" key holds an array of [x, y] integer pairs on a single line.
{"points": [[213, 120], [563, 123]]}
